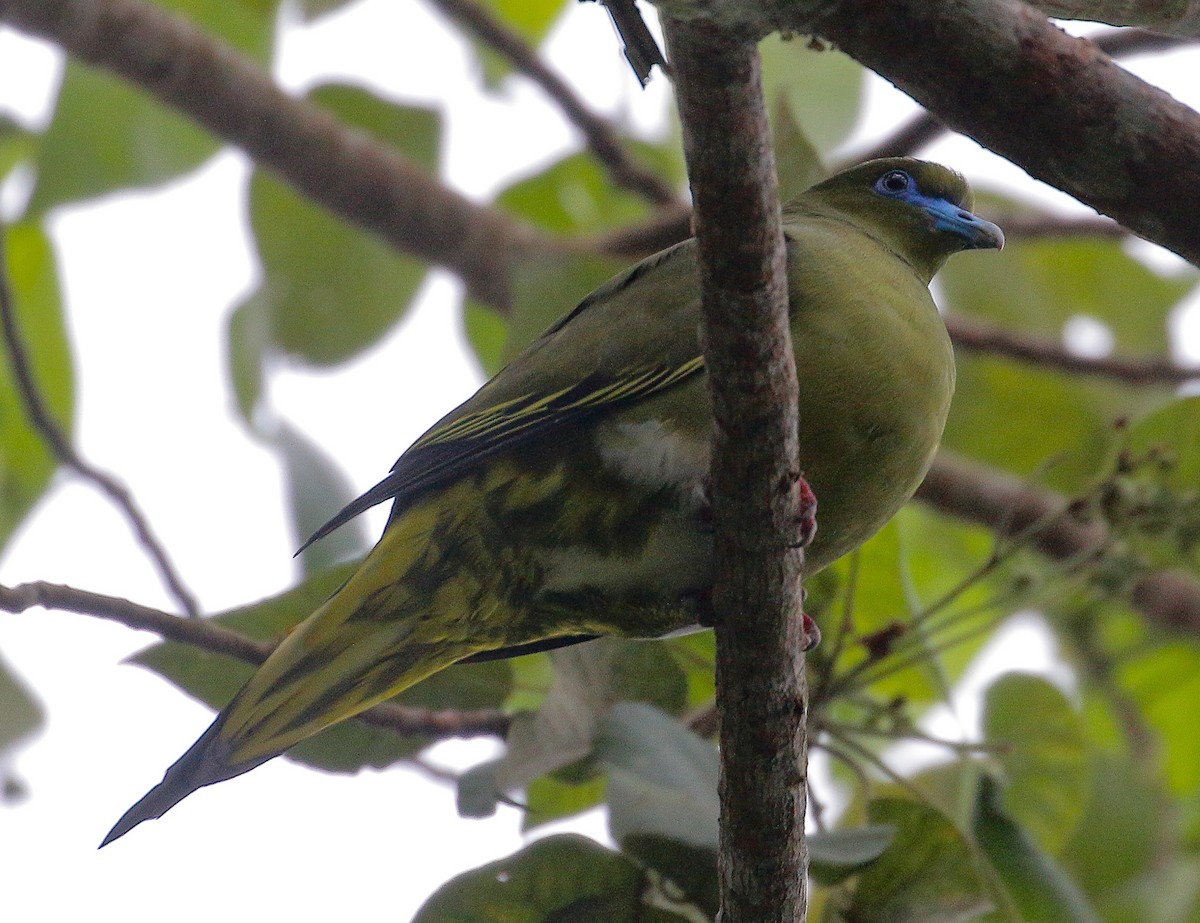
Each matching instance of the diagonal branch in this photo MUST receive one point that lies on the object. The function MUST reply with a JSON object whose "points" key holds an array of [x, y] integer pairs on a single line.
{"points": [[924, 128], [344, 170], [973, 336], [601, 139], [1169, 599], [209, 636], [1087, 126], [756, 484], [42, 420]]}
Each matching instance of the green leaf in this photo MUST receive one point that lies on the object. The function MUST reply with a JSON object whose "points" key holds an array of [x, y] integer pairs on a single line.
{"points": [[545, 287], [662, 776], [331, 290], [823, 89], [1037, 286], [529, 19], [549, 798], [560, 879], [248, 336], [21, 715], [1174, 432], [26, 464], [350, 745], [1037, 886], [1065, 445], [573, 196], [487, 332], [926, 876], [797, 163], [835, 855], [131, 139], [1121, 833], [315, 9], [1165, 683], [16, 145], [317, 489], [1043, 750]]}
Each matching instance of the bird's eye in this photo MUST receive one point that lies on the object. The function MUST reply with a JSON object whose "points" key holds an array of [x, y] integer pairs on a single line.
{"points": [[893, 182]]}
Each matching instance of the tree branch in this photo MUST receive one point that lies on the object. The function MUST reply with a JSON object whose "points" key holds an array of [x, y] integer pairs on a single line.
{"points": [[42, 420], [1176, 18], [601, 139], [342, 169], [209, 636], [1088, 127], [1169, 599], [924, 128], [755, 473], [972, 336]]}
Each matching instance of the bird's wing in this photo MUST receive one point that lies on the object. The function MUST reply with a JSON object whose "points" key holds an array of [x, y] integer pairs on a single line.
{"points": [[591, 362]]}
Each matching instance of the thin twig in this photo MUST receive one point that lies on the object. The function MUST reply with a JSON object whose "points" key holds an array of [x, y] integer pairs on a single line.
{"points": [[206, 635], [973, 336], [1169, 599], [42, 420], [601, 139]]}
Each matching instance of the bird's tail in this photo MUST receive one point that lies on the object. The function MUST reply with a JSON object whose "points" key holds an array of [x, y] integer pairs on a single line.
{"points": [[372, 639]]}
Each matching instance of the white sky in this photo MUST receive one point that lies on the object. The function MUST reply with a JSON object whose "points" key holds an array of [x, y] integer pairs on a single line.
{"points": [[150, 278]]}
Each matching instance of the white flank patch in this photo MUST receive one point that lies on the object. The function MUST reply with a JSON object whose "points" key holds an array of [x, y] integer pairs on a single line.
{"points": [[651, 455]]}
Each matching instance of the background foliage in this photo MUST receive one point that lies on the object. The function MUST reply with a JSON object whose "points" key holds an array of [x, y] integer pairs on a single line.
{"points": [[1079, 798]]}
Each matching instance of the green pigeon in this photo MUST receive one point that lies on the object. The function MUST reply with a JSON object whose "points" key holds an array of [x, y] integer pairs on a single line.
{"points": [[567, 499]]}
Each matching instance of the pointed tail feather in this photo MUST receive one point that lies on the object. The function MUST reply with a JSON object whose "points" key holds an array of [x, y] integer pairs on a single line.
{"points": [[203, 764]]}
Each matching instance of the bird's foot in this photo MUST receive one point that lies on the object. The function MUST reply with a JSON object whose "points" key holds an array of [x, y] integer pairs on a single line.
{"points": [[806, 516], [706, 617]]}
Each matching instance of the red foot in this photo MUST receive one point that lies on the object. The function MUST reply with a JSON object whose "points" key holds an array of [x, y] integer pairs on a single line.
{"points": [[806, 520], [812, 633]]}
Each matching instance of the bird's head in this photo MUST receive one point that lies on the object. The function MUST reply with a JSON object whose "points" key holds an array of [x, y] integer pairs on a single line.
{"points": [[920, 210]]}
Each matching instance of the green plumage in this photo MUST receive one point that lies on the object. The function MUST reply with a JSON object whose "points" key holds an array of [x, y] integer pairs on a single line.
{"points": [[568, 496]]}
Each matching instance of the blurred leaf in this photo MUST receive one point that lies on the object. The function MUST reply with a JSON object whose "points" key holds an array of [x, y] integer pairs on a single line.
{"points": [[317, 489], [823, 89], [1165, 683], [926, 876], [797, 162], [20, 714], [1044, 755], [564, 728], [662, 777], [549, 798], [1066, 444], [346, 747], [692, 869], [1037, 286], [26, 464], [315, 9], [572, 196], [331, 290], [1174, 431], [131, 139], [645, 671], [834, 855], [248, 336], [695, 655], [529, 19], [560, 879], [1121, 832], [487, 332], [546, 287], [16, 145], [1040, 889]]}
